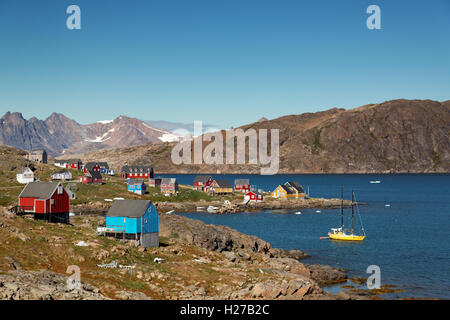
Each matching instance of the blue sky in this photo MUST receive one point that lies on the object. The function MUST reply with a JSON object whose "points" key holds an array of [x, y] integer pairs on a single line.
{"points": [[224, 62]]}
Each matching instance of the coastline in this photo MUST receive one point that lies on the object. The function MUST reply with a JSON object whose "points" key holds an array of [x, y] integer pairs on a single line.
{"points": [[233, 206]]}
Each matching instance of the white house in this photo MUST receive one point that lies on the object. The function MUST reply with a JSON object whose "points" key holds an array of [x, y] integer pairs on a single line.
{"points": [[25, 176], [62, 175]]}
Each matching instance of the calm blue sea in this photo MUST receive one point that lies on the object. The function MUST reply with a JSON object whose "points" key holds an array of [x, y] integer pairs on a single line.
{"points": [[408, 240]]}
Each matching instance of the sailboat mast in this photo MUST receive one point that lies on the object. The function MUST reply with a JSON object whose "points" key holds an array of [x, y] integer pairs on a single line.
{"points": [[342, 207], [353, 212]]}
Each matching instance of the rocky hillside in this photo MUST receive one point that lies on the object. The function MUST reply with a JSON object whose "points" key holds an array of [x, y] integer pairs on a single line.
{"points": [[61, 135], [394, 136], [199, 262]]}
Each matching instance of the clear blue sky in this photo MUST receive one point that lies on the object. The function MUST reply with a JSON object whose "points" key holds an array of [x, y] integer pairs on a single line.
{"points": [[226, 62]]}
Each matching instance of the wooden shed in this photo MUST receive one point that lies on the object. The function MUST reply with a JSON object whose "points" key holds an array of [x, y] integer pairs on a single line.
{"points": [[46, 200]]}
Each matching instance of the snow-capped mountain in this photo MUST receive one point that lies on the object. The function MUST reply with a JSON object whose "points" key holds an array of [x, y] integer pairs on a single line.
{"points": [[60, 135]]}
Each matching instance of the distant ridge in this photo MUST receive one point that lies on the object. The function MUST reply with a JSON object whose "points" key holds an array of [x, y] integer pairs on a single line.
{"points": [[393, 136]]}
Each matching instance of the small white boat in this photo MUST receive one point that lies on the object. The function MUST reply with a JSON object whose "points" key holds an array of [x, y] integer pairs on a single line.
{"points": [[375, 181], [170, 212], [387, 205], [318, 211], [212, 209], [298, 212]]}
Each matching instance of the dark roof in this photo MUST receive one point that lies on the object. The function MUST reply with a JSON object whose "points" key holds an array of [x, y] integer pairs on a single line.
{"points": [[39, 189], [61, 171], [103, 165], [68, 161], [94, 174], [137, 168], [202, 178], [242, 181], [223, 183], [128, 208], [288, 191], [136, 181], [90, 165], [296, 185]]}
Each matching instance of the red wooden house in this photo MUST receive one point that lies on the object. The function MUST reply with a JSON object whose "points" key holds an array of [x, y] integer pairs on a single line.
{"points": [[254, 196], [47, 200], [92, 166], [136, 172], [91, 177], [69, 163], [203, 183], [242, 185]]}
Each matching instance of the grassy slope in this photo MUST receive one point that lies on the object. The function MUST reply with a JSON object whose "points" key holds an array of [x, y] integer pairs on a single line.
{"points": [[52, 246]]}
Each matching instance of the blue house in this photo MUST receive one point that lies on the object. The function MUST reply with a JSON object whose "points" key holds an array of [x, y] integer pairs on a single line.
{"points": [[134, 220], [136, 186]]}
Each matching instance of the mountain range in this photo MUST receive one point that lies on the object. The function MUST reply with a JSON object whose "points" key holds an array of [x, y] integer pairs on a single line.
{"points": [[397, 136], [60, 135], [393, 136]]}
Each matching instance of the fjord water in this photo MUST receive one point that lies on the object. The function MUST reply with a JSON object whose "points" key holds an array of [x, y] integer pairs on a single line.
{"points": [[408, 240]]}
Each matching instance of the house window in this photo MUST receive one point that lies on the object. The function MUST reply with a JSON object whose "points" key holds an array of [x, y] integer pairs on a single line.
{"points": [[145, 221], [124, 220], [60, 189], [52, 201]]}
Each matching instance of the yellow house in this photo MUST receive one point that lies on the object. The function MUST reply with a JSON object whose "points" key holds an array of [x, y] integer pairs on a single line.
{"points": [[290, 189], [221, 187]]}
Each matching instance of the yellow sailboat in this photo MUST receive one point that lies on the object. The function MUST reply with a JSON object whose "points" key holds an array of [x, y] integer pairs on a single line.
{"points": [[341, 233]]}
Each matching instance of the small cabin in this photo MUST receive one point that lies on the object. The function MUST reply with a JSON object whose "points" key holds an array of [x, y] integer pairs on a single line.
{"points": [[62, 175], [203, 183], [221, 187], [25, 175], [242, 185], [134, 220], [92, 177], [169, 185], [136, 186], [253, 196], [46, 200]]}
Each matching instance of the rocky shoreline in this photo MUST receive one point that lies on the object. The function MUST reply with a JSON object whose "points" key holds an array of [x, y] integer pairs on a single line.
{"points": [[227, 207], [201, 261]]}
